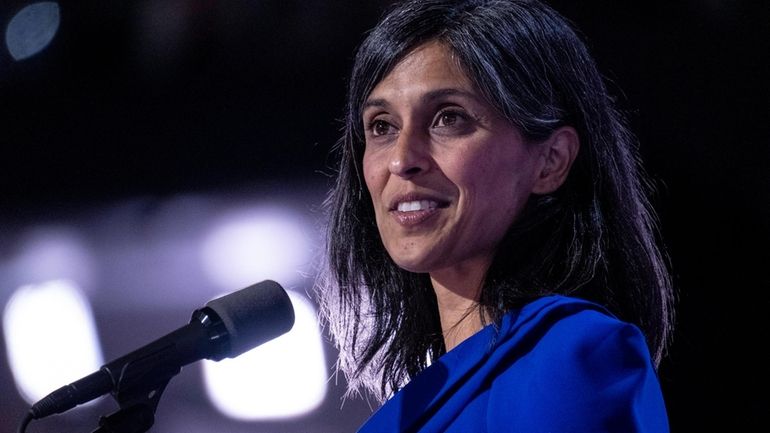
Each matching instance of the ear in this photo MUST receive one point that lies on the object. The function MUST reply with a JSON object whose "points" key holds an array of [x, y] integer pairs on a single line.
{"points": [[559, 152]]}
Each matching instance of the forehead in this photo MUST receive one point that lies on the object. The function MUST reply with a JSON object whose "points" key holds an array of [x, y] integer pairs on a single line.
{"points": [[428, 66]]}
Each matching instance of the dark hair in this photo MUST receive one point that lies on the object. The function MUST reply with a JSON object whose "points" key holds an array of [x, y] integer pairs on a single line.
{"points": [[594, 238]]}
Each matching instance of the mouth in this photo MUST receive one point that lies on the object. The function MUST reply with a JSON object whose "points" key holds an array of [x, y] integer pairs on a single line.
{"points": [[413, 203], [413, 212], [416, 205]]}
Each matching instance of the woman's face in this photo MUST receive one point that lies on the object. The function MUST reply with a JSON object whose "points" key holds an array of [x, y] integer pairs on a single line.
{"points": [[447, 175]]}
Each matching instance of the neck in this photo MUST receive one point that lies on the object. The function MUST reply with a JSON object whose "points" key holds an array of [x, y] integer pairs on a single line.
{"points": [[457, 294]]}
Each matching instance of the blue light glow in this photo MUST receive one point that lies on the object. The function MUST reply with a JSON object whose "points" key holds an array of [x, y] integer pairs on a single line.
{"points": [[32, 29]]}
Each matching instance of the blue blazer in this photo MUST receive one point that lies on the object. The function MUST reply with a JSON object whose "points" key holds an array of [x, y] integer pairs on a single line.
{"points": [[557, 365]]}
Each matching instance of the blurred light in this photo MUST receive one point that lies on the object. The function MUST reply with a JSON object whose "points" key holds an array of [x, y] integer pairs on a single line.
{"points": [[32, 29], [282, 378], [264, 243], [50, 253], [50, 336]]}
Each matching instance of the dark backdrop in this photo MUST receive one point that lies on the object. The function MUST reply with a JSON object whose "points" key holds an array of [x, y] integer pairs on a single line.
{"points": [[160, 97]]}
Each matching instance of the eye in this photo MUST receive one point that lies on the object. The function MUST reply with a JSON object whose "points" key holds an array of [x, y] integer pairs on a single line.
{"points": [[450, 118], [452, 121], [380, 127]]}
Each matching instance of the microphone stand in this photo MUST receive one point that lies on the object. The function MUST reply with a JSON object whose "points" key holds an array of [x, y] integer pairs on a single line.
{"points": [[142, 379], [147, 378], [136, 414], [138, 379]]}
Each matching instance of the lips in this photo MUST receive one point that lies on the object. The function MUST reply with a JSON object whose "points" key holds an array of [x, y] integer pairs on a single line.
{"points": [[416, 203], [413, 209]]}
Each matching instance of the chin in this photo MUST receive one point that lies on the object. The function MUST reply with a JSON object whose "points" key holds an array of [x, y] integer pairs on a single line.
{"points": [[412, 268], [416, 264], [414, 256]]}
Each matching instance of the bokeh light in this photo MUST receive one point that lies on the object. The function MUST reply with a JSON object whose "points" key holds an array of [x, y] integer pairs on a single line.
{"points": [[257, 244], [50, 336], [282, 378], [32, 29]]}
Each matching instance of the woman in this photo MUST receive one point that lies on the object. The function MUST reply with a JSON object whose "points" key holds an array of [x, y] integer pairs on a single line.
{"points": [[492, 259]]}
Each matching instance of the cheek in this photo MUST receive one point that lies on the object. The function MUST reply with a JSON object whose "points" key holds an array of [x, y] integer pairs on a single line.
{"points": [[497, 183], [375, 177], [369, 172], [477, 172]]}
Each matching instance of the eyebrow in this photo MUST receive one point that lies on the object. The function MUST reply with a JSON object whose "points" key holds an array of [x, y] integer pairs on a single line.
{"points": [[428, 97]]}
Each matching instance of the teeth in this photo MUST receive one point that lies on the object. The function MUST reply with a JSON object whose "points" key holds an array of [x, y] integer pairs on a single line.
{"points": [[411, 206]]}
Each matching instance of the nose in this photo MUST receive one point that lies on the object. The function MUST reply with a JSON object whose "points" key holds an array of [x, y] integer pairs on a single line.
{"points": [[410, 155]]}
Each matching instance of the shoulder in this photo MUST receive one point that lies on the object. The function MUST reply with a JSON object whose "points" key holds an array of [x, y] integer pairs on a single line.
{"points": [[578, 367], [575, 328]]}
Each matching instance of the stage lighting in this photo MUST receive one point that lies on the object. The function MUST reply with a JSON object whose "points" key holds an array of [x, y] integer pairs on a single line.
{"points": [[32, 29], [51, 253], [50, 337], [257, 244], [283, 378]]}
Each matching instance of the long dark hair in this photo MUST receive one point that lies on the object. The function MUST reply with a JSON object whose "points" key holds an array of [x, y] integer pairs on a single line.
{"points": [[594, 238]]}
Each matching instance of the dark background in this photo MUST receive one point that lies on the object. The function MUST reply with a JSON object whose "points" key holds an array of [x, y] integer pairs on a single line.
{"points": [[164, 97]]}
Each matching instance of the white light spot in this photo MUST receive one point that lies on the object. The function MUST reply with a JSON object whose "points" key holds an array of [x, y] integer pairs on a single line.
{"points": [[257, 245], [50, 336], [52, 253], [282, 378], [32, 29]]}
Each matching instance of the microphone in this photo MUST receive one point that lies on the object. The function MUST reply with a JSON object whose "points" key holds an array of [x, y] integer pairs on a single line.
{"points": [[224, 328]]}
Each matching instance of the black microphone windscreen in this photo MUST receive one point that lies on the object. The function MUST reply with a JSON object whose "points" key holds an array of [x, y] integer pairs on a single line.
{"points": [[254, 315]]}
